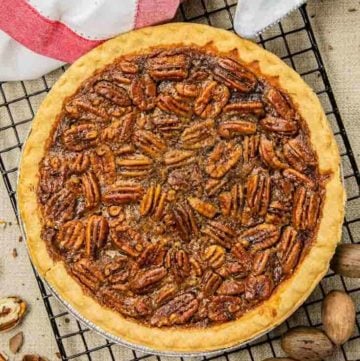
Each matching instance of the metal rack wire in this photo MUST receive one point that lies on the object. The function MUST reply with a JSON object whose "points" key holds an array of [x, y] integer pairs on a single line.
{"points": [[293, 40]]}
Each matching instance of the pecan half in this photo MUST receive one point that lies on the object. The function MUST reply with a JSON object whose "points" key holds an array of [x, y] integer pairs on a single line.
{"points": [[233, 128], [115, 265], [152, 255], [168, 125], [119, 130], [178, 158], [289, 250], [143, 306], [236, 269], [211, 100], [185, 221], [298, 154], [250, 146], [88, 274], [122, 78], [148, 279], [153, 201], [206, 209], [196, 267], [61, 206], [214, 185], [231, 203], [173, 104], [261, 236], [97, 230], [234, 75], [298, 177], [168, 67], [258, 194], [199, 135], [224, 308], [279, 212], [279, 125], [124, 305], [124, 192], [165, 294], [231, 288], [112, 92], [91, 190], [135, 166], [211, 282], [80, 137], [240, 252], [214, 255], [224, 156], [306, 209], [128, 66], [219, 233], [187, 90], [52, 174], [81, 108], [71, 236], [251, 107], [260, 262], [127, 240], [103, 163], [118, 280], [280, 103], [149, 143], [79, 163], [176, 312], [268, 154], [258, 287], [143, 92], [178, 262]]}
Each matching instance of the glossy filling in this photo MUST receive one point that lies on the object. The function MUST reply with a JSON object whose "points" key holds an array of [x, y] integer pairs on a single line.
{"points": [[179, 188]]}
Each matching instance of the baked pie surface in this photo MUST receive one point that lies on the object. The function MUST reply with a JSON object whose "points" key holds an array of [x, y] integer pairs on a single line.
{"points": [[177, 189]]}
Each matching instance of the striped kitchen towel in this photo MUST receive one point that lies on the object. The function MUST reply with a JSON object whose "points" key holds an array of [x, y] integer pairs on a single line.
{"points": [[37, 36]]}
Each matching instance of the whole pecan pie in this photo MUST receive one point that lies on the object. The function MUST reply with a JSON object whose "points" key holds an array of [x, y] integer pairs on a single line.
{"points": [[181, 189]]}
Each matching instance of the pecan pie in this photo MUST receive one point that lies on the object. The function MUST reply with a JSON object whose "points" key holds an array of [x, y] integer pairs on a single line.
{"points": [[181, 188]]}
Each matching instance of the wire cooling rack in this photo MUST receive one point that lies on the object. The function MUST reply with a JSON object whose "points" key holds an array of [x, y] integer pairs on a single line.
{"points": [[293, 40]]}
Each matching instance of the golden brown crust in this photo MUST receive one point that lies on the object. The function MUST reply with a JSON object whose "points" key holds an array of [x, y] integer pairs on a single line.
{"points": [[289, 295]]}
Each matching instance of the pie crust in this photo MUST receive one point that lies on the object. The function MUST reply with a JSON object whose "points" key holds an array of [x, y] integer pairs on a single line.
{"points": [[289, 295]]}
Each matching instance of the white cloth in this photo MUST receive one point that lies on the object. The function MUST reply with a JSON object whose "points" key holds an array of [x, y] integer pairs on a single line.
{"points": [[253, 16], [20, 63]]}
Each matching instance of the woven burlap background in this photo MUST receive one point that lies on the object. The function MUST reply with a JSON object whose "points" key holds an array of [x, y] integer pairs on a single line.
{"points": [[336, 24]]}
